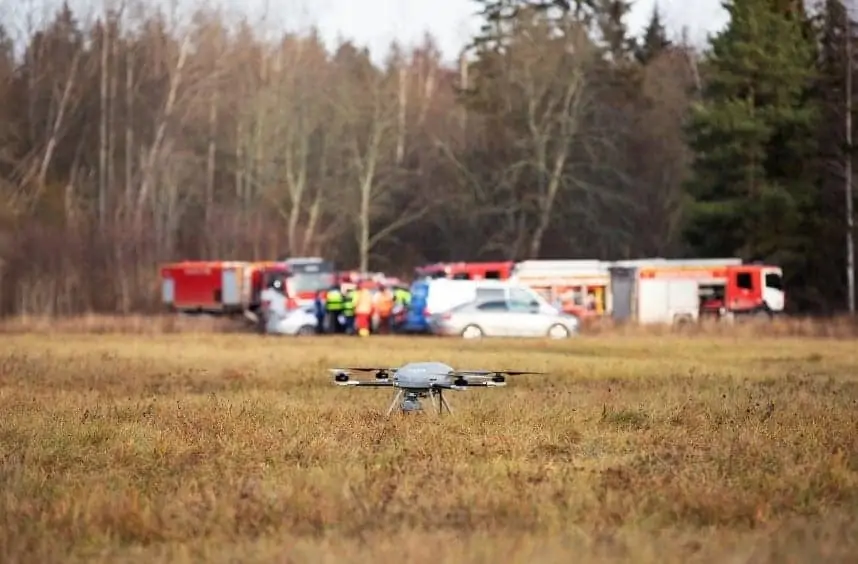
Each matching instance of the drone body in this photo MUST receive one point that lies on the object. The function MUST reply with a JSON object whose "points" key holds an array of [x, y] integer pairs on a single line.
{"points": [[417, 380]]}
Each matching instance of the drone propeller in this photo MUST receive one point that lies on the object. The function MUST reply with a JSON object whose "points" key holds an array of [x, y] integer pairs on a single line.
{"points": [[485, 378], [341, 374]]}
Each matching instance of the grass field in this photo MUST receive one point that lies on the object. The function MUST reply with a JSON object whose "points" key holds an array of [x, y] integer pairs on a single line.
{"points": [[191, 447]]}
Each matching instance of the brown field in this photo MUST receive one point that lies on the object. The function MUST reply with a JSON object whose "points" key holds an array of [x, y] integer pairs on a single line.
{"points": [[213, 447]]}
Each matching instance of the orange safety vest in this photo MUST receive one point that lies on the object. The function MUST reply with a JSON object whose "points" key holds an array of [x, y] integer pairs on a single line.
{"points": [[363, 305], [384, 304]]}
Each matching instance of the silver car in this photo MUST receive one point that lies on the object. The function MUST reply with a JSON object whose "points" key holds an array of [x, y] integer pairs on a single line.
{"points": [[505, 318], [300, 321]]}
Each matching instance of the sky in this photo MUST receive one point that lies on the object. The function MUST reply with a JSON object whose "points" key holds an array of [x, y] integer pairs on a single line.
{"points": [[376, 23]]}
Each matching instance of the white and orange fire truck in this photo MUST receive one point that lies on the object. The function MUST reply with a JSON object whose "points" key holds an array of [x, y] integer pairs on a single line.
{"points": [[656, 290], [671, 291]]}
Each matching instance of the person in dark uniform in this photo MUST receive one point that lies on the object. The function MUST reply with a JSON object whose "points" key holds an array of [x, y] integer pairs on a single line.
{"points": [[319, 302]]}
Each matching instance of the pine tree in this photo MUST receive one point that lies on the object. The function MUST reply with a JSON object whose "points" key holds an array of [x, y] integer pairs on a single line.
{"points": [[654, 39], [752, 136], [832, 28], [611, 19]]}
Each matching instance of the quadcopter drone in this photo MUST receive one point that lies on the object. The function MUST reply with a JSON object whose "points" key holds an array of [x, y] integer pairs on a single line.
{"points": [[417, 380]]}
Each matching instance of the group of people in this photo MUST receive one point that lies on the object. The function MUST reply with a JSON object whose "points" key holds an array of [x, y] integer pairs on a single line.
{"points": [[361, 310]]}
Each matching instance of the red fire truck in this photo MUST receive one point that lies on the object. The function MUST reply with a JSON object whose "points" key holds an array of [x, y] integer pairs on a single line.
{"points": [[234, 287], [309, 276], [466, 270]]}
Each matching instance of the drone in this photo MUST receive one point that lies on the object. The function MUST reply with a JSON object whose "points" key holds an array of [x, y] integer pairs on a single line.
{"points": [[417, 380]]}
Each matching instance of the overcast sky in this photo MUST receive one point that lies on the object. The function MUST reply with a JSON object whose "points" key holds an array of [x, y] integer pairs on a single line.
{"points": [[375, 23]]}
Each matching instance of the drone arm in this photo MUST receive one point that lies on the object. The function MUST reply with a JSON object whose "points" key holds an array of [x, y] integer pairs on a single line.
{"points": [[485, 384], [453, 387], [366, 383]]}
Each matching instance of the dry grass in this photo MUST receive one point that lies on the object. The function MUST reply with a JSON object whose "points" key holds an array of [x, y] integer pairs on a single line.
{"points": [[146, 448], [843, 327]]}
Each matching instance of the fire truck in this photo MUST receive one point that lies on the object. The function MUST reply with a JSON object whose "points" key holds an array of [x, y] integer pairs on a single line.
{"points": [[675, 291], [578, 287], [466, 270], [309, 276], [234, 287]]}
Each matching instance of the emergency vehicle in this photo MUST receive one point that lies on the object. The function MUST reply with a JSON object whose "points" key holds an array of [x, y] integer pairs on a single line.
{"points": [[354, 280], [308, 276], [665, 291], [235, 287], [466, 270], [578, 287]]}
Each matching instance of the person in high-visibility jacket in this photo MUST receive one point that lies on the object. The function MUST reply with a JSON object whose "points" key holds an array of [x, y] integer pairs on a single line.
{"points": [[401, 301], [363, 311], [349, 311], [384, 308], [334, 304]]}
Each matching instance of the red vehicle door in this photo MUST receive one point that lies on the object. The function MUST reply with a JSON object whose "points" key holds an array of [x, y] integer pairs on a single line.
{"points": [[744, 288]]}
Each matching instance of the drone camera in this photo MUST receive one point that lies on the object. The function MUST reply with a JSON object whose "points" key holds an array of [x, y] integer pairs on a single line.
{"points": [[341, 377], [460, 382], [381, 375]]}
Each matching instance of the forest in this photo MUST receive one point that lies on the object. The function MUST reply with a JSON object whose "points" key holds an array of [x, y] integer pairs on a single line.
{"points": [[128, 140]]}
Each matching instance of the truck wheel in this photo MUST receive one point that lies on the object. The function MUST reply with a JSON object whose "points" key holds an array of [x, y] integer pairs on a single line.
{"points": [[683, 320], [763, 315]]}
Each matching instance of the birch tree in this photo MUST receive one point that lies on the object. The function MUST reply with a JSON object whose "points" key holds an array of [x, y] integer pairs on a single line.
{"points": [[550, 75], [367, 107]]}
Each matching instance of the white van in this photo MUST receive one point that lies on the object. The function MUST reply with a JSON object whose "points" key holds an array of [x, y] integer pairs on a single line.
{"points": [[444, 294]]}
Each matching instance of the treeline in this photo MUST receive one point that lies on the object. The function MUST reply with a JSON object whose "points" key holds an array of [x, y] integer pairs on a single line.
{"points": [[126, 142]]}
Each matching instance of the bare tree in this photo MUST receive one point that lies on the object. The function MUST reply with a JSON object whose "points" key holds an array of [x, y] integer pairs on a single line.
{"points": [[103, 118], [550, 76], [369, 114], [150, 166]]}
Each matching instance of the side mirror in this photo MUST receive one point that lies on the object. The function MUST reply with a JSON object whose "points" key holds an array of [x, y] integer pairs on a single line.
{"points": [[534, 306]]}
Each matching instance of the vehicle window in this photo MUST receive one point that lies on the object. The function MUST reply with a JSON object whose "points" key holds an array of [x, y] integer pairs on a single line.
{"points": [[519, 306], [461, 276], [493, 275], [745, 281], [306, 282], [493, 306], [522, 296], [486, 294], [774, 280]]}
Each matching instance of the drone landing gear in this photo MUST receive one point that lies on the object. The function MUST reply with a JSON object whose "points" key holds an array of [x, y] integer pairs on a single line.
{"points": [[442, 402], [393, 403], [411, 402]]}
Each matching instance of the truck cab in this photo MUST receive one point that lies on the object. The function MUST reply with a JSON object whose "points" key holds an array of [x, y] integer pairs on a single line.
{"points": [[754, 289]]}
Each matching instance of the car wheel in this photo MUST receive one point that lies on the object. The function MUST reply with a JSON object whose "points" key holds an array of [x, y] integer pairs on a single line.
{"points": [[472, 332], [558, 331], [306, 330]]}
